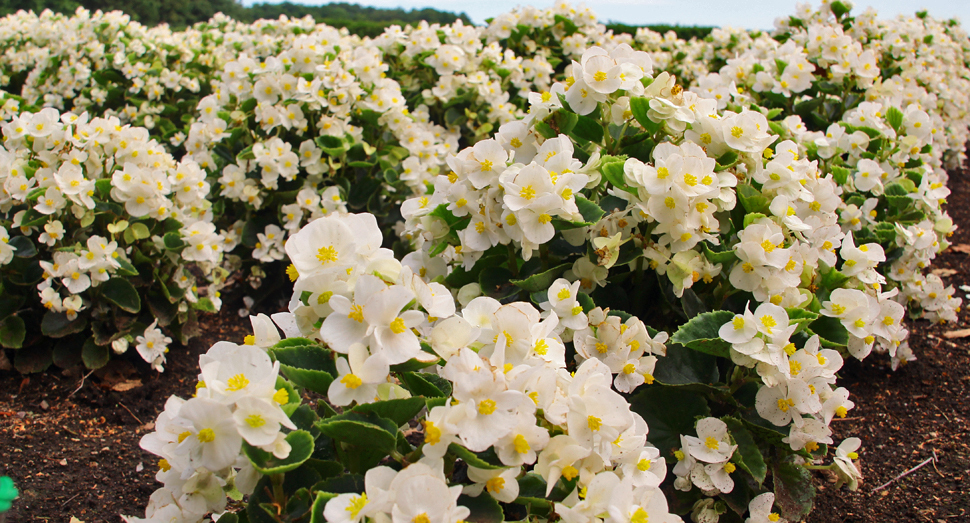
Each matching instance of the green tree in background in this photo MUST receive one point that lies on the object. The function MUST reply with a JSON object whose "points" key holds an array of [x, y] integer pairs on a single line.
{"points": [[360, 20]]}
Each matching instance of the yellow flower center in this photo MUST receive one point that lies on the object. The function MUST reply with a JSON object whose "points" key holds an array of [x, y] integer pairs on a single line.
{"points": [[237, 382], [397, 326], [206, 435], [486, 407], [327, 255]]}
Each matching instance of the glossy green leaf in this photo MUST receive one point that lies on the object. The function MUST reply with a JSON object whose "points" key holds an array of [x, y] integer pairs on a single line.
{"points": [[12, 332], [121, 293], [95, 356], [542, 281], [794, 491], [701, 333], [590, 211], [669, 412], [301, 447], [427, 385], [683, 366], [747, 456], [57, 325], [362, 429], [400, 410], [484, 508], [894, 117], [474, 459]]}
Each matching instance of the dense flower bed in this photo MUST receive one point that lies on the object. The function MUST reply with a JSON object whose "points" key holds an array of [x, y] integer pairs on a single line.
{"points": [[625, 273]]}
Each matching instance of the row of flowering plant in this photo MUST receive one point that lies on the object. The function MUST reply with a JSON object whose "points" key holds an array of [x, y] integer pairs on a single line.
{"points": [[768, 240], [103, 235], [631, 303]]}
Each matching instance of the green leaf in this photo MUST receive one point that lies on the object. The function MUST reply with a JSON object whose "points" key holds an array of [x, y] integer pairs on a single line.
{"points": [[302, 353], [701, 333], [361, 429], [833, 279], [140, 231], [831, 330], [800, 317], [669, 412], [36, 359], [120, 292], [747, 456], [427, 385], [590, 211], [640, 106], [331, 145], [400, 411], [319, 504], [474, 459], [894, 117], [57, 325], [726, 161], [93, 355], [725, 258], [496, 282], [25, 247], [752, 200], [542, 281], [562, 120], [615, 174], [794, 491], [12, 332], [839, 9], [126, 268], [683, 366], [301, 447], [840, 174], [752, 217], [484, 509], [587, 128], [316, 380], [205, 304]]}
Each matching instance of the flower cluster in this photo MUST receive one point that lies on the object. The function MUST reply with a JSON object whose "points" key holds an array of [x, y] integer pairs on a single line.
{"points": [[199, 441], [99, 196]]}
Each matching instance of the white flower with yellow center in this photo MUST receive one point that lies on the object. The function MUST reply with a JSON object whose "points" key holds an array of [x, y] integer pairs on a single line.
{"points": [[259, 420], [358, 377]]}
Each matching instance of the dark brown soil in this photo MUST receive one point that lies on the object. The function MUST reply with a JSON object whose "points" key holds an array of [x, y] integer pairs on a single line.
{"points": [[72, 447], [906, 417]]}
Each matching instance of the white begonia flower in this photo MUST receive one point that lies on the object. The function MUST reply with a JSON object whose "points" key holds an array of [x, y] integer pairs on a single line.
{"points": [[563, 301], [846, 469], [421, 494], [7, 251], [265, 333], [358, 377], [233, 371], [712, 444], [486, 408], [451, 335], [499, 483], [212, 440], [152, 346], [747, 132], [783, 403], [259, 421], [521, 445], [759, 510]]}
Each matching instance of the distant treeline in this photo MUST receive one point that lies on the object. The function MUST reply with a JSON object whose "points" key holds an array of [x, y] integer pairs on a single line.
{"points": [[364, 21], [685, 32]]}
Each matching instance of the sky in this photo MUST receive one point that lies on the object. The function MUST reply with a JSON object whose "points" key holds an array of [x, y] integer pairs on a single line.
{"points": [[749, 14]]}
